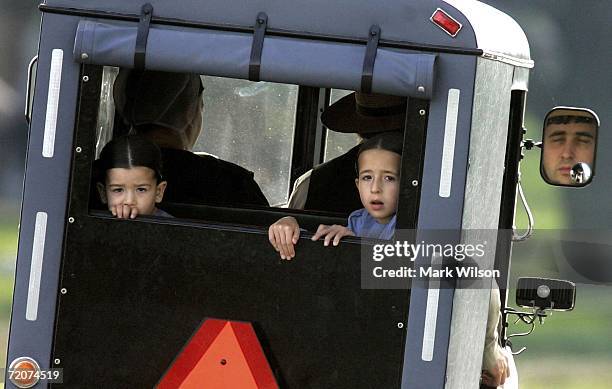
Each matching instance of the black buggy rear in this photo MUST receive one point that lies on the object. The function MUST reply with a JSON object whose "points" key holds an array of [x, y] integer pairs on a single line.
{"points": [[114, 302]]}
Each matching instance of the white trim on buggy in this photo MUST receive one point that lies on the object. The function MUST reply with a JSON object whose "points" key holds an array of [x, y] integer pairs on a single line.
{"points": [[497, 34], [450, 135], [55, 81], [38, 251]]}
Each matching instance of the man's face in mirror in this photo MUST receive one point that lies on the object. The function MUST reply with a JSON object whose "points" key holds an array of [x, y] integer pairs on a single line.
{"points": [[568, 139]]}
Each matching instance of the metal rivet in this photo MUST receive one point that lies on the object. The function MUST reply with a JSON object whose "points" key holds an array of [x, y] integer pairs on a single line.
{"points": [[63, 291], [78, 149], [70, 220], [57, 361], [422, 112], [84, 56], [223, 362], [85, 78], [415, 182], [421, 88], [400, 325]]}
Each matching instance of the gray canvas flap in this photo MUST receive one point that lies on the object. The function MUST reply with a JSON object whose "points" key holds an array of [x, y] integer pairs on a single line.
{"points": [[226, 54]]}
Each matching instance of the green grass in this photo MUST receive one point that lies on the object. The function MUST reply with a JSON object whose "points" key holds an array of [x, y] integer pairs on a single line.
{"points": [[565, 373], [8, 238], [8, 254]]}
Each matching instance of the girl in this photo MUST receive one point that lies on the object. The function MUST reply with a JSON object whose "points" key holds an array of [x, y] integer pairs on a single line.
{"points": [[378, 164], [130, 183]]}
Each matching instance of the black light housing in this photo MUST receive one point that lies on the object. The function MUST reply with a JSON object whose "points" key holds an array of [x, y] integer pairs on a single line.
{"points": [[545, 293]]}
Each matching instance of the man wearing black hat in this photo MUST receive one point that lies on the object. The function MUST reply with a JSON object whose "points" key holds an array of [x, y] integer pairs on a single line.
{"points": [[167, 109], [361, 113]]}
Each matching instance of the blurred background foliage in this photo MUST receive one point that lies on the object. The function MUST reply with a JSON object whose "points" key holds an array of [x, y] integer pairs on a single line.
{"points": [[570, 45]]}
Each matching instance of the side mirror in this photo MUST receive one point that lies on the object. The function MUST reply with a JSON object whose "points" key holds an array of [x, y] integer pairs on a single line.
{"points": [[545, 293], [569, 145]]}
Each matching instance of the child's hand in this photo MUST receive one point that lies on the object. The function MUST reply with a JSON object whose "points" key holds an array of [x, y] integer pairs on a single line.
{"points": [[283, 235], [334, 232], [124, 211]]}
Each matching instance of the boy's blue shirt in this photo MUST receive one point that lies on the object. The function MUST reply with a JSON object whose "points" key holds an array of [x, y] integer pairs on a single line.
{"points": [[364, 225]]}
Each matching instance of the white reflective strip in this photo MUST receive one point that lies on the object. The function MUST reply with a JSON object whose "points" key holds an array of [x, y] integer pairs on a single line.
{"points": [[55, 80], [431, 316], [38, 250], [450, 132], [431, 312]]}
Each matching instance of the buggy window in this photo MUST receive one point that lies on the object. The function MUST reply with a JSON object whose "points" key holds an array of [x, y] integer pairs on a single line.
{"points": [[247, 123], [251, 124]]}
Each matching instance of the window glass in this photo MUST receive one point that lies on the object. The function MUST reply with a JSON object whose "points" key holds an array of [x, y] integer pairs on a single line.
{"points": [[251, 124], [338, 143], [106, 112]]}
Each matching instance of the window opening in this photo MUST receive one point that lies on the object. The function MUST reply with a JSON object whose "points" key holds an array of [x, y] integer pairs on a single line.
{"points": [[251, 124]]}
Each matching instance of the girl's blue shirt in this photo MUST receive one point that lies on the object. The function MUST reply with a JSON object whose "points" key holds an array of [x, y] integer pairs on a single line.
{"points": [[364, 225]]}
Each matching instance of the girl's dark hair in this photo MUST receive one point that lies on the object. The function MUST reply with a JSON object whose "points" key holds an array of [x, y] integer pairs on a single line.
{"points": [[392, 141], [127, 152]]}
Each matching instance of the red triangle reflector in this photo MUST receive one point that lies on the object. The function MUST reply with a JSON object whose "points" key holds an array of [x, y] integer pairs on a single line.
{"points": [[221, 354]]}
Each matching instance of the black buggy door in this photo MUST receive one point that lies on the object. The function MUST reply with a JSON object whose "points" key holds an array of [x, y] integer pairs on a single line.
{"points": [[134, 292]]}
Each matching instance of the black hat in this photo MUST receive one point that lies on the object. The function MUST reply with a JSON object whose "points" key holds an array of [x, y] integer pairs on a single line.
{"points": [[365, 113]]}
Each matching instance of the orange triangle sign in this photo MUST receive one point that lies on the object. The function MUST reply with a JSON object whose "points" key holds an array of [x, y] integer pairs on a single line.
{"points": [[221, 354]]}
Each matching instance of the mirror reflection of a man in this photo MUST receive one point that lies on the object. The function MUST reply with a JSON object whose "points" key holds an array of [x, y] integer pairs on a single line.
{"points": [[569, 138]]}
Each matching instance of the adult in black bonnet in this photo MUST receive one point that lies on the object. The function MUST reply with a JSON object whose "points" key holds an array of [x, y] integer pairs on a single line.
{"points": [[167, 109]]}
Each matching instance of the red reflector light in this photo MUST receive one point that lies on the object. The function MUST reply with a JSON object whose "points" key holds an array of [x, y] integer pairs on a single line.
{"points": [[446, 22], [24, 372]]}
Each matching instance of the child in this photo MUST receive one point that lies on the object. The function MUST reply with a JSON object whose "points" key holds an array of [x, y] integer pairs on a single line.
{"points": [[378, 165], [130, 181]]}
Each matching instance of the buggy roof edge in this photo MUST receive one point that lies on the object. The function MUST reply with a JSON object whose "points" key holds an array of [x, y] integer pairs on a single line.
{"points": [[483, 27], [498, 35]]}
